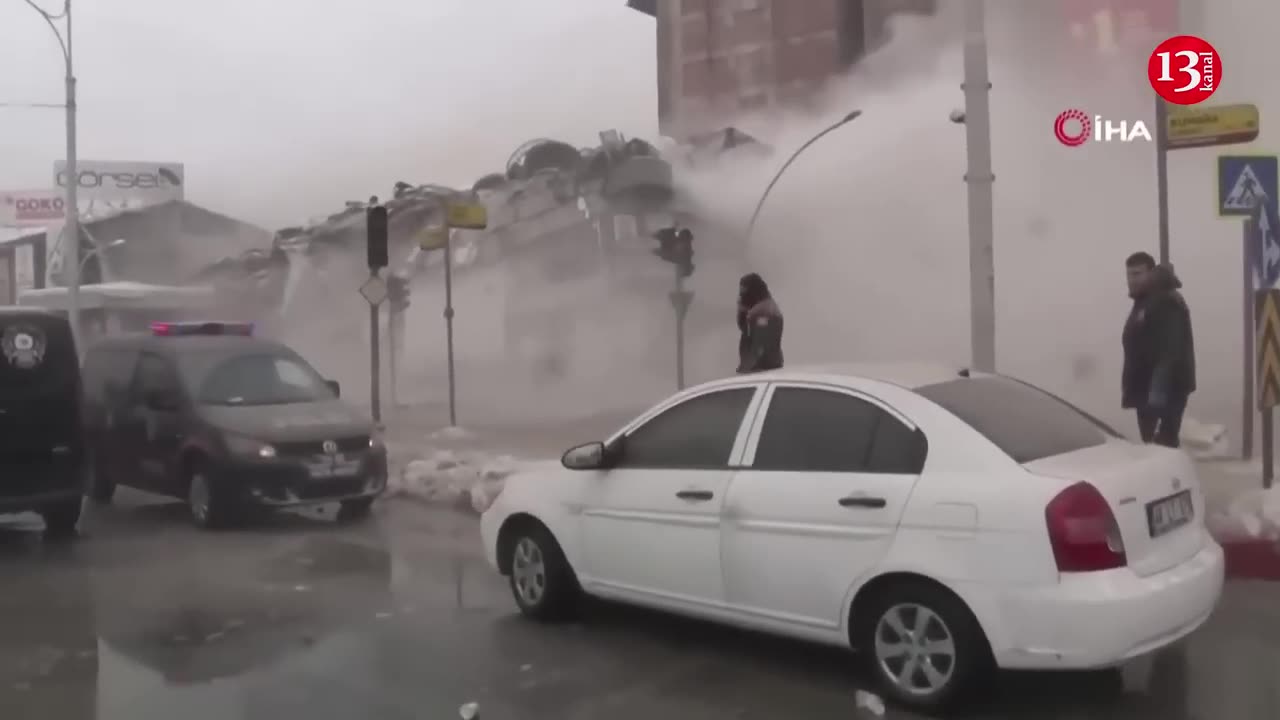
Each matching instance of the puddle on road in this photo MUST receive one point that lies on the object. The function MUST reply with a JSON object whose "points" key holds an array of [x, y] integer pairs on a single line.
{"points": [[197, 628]]}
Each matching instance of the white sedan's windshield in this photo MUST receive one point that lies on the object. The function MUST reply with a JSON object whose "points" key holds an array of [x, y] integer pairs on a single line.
{"points": [[263, 380]]}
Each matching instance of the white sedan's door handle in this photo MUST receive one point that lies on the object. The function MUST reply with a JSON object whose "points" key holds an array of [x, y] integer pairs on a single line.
{"points": [[695, 495], [858, 500]]}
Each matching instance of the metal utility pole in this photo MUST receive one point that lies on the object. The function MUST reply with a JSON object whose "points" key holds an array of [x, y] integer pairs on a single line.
{"points": [[448, 323], [1249, 355], [71, 227], [374, 291], [680, 300], [1162, 176], [375, 357], [977, 123]]}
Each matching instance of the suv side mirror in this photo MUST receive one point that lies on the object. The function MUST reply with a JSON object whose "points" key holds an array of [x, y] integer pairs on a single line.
{"points": [[335, 387], [161, 400], [590, 456]]}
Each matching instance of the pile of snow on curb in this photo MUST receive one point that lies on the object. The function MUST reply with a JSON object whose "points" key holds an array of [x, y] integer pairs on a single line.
{"points": [[1254, 514], [467, 479], [1205, 441]]}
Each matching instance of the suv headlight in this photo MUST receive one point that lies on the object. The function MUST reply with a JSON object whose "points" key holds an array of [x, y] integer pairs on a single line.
{"points": [[375, 440], [248, 447]]}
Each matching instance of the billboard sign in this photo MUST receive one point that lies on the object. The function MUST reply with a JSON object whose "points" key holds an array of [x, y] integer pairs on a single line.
{"points": [[143, 183], [31, 208]]}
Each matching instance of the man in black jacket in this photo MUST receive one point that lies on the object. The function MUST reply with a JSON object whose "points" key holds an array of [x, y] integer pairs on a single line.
{"points": [[759, 325], [1159, 351]]}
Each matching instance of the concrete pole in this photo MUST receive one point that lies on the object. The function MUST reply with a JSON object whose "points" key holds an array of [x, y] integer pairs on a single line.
{"points": [[71, 229], [982, 275]]}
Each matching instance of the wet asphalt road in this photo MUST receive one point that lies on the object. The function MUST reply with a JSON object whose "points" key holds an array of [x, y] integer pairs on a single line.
{"points": [[399, 618]]}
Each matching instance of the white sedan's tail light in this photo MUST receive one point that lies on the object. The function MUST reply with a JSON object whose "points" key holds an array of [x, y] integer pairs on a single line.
{"points": [[1083, 531]]}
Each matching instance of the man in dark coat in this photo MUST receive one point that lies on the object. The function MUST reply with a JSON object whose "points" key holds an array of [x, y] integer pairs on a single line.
{"points": [[759, 325], [1159, 351]]}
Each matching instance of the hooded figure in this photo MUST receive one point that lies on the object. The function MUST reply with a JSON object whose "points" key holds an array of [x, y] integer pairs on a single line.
{"points": [[1160, 363], [759, 325]]}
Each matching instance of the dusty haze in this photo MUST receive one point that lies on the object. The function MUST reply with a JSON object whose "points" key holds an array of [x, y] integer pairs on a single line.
{"points": [[864, 241]]}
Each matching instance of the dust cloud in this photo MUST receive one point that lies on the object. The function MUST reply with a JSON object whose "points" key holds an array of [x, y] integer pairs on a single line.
{"points": [[865, 244], [865, 238]]}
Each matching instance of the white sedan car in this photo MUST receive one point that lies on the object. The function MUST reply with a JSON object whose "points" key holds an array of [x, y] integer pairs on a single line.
{"points": [[939, 521]]}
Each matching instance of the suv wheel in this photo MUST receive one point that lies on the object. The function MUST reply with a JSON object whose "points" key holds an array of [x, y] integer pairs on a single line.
{"points": [[101, 488], [352, 510], [209, 510], [61, 520]]}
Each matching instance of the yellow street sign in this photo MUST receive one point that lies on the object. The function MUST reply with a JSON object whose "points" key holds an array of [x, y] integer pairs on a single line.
{"points": [[432, 237], [1267, 306], [1202, 126], [468, 216]]}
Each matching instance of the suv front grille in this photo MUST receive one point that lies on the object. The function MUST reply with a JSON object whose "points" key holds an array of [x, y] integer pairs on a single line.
{"points": [[307, 448]]}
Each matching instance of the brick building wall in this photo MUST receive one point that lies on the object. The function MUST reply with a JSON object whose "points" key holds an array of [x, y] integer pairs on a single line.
{"points": [[718, 58]]}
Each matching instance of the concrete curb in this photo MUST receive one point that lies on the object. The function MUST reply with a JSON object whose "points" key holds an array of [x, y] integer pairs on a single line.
{"points": [[1250, 558]]}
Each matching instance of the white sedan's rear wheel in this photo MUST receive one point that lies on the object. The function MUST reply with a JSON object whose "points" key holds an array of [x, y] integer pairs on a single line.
{"points": [[915, 648], [923, 645]]}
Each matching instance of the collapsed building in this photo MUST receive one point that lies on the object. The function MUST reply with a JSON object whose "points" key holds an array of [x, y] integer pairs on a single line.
{"points": [[567, 250]]}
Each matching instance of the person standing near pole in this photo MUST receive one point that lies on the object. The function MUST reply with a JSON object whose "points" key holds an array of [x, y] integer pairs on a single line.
{"points": [[760, 326], [1159, 351]]}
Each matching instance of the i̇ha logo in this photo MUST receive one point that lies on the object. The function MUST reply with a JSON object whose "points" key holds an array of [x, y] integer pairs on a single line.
{"points": [[1073, 128]]}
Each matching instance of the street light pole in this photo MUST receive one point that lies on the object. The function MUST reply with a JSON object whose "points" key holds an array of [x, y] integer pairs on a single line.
{"points": [[71, 235], [71, 228], [755, 215], [977, 123]]}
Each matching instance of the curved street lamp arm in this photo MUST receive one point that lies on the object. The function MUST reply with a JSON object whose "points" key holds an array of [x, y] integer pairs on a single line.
{"points": [[834, 126], [49, 18]]}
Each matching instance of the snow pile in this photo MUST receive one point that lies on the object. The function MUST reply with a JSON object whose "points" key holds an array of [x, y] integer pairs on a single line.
{"points": [[450, 433], [1254, 514], [1205, 441], [870, 702], [462, 478]]}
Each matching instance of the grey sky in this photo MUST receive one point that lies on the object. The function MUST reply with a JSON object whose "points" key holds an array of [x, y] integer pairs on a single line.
{"points": [[282, 109]]}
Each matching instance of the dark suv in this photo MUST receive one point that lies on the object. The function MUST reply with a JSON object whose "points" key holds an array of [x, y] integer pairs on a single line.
{"points": [[227, 422], [41, 449]]}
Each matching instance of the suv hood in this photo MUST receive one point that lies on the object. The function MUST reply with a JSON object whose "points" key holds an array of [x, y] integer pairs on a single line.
{"points": [[287, 423]]}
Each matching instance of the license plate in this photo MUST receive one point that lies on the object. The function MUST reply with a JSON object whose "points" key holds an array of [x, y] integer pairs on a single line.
{"points": [[321, 470], [351, 468], [326, 470], [1169, 513]]}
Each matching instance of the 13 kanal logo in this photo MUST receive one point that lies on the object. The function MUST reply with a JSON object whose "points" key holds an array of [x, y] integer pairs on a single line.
{"points": [[1185, 70], [1074, 127]]}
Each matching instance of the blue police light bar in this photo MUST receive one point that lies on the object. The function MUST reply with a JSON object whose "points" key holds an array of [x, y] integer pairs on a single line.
{"points": [[213, 327]]}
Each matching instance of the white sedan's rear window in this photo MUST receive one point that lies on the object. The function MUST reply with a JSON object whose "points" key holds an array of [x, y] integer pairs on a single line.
{"points": [[1020, 419]]}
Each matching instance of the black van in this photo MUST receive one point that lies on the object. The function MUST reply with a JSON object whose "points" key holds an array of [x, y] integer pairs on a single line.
{"points": [[42, 458], [227, 422]]}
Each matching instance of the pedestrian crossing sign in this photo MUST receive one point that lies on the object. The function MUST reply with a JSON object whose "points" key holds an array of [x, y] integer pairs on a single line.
{"points": [[1244, 181]]}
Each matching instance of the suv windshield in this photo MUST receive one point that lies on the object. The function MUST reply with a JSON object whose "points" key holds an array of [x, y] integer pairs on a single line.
{"points": [[263, 380], [1020, 419]]}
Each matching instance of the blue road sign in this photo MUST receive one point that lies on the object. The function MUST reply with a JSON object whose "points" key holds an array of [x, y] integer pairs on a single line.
{"points": [[1264, 246], [1243, 180]]}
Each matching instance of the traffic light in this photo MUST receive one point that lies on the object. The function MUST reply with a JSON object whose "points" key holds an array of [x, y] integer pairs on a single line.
{"points": [[675, 245], [398, 293], [376, 225]]}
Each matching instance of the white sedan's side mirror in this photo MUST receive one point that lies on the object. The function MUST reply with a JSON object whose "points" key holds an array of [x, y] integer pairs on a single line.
{"points": [[584, 457]]}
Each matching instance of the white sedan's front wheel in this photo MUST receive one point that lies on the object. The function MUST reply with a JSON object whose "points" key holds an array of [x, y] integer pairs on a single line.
{"points": [[542, 582], [924, 647]]}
